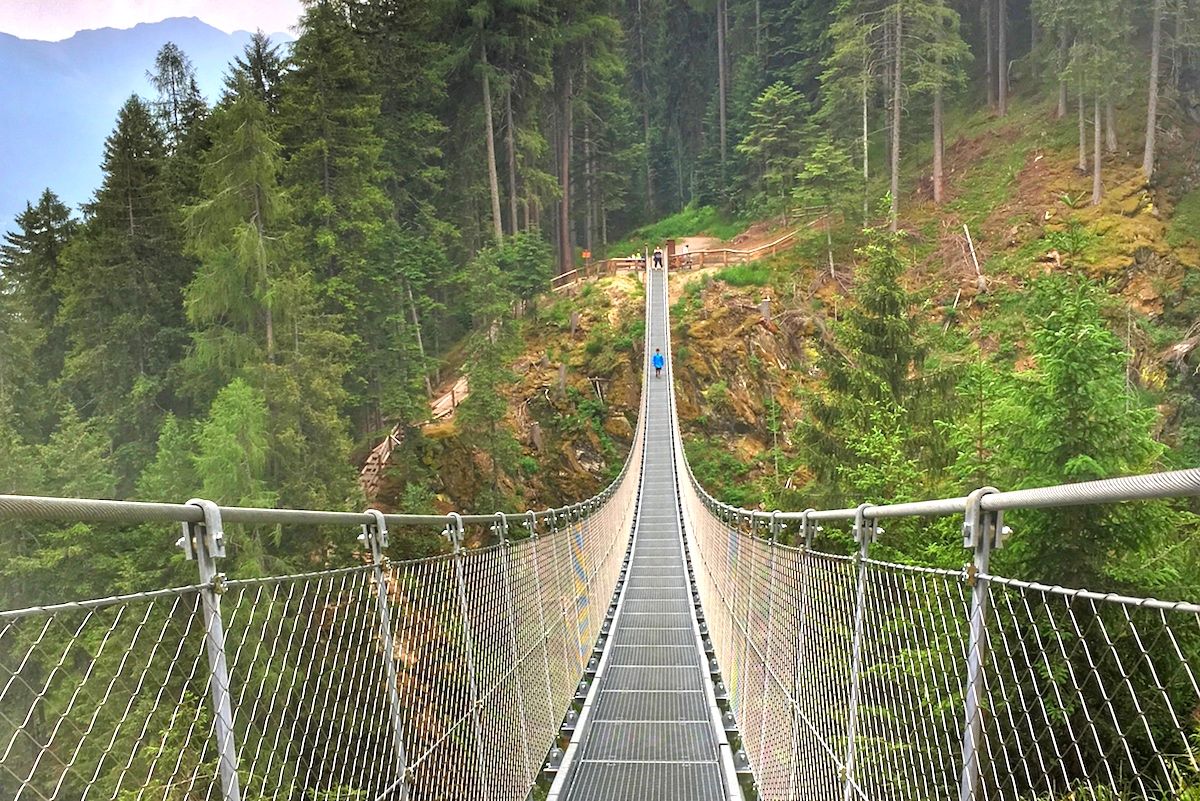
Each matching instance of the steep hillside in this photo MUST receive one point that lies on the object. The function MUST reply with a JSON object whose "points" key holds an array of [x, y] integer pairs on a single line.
{"points": [[572, 408], [746, 382]]}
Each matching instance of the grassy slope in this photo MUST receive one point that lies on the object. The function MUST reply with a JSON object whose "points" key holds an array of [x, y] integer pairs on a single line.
{"points": [[1015, 184]]}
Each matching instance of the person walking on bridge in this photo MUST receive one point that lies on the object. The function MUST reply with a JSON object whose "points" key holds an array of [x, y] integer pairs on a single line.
{"points": [[658, 258], [658, 361]]}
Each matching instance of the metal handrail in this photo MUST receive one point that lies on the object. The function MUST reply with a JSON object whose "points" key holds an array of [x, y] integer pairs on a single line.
{"points": [[1148, 486]]}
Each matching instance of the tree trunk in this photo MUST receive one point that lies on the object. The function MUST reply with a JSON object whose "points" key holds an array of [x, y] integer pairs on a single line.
{"points": [[896, 81], [493, 179], [721, 79], [1082, 165], [416, 321], [511, 146], [1179, 52], [645, 109], [1152, 102], [829, 244], [1061, 113], [938, 150], [888, 77], [1110, 127], [989, 39], [1097, 184], [1035, 33], [758, 32], [866, 144], [589, 217], [1002, 58], [566, 252]]}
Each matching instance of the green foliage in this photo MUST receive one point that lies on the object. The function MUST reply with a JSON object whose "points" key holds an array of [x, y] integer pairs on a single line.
{"points": [[1068, 418], [231, 448], [694, 220], [1184, 229], [744, 275], [773, 145], [875, 371]]}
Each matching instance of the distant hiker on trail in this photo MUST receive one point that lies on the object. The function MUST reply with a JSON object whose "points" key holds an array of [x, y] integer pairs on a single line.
{"points": [[658, 361], [658, 258]]}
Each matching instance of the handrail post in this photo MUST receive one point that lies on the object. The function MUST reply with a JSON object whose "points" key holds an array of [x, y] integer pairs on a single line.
{"points": [[983, 531], [204, 542], [534, 537], [500, 528], [807, 530], [864, 531], [454, 532], [776, 528], [375, 536]]}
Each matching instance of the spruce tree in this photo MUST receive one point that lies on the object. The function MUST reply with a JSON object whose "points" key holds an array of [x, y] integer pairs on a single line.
{"points": [[237, 233], [122, 278]]}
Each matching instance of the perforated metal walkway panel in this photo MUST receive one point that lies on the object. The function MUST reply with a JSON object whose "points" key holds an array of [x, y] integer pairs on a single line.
{"points": [[650, 734]]}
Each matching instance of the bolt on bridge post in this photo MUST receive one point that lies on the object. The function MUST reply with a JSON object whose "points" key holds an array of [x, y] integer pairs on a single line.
{"points": [[983, 531], [204, 542], [375, 536]]}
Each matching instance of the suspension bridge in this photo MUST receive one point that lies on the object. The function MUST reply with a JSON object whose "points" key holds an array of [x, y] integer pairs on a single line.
{"points": [[647, 643]]}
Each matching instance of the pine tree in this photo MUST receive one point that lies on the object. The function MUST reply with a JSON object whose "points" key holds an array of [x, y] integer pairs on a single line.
{"points": [[31, 256], [259, 69], [121, 281], [873, 364], [330, 116], [827, 181], [236, 232], [774, 144]]}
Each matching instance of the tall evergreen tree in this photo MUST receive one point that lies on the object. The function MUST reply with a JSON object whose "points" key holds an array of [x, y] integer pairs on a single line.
{"points": [[121, 279]]}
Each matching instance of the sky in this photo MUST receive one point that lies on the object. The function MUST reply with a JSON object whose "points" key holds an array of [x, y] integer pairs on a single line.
{"points": [[51, 20]]}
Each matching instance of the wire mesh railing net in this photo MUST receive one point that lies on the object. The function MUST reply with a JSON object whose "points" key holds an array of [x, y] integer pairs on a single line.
{"points": [[483, 648], [848, 676]]}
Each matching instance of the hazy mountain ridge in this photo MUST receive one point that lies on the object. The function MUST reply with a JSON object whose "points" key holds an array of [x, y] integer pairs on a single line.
{"points": [[61, 100]]}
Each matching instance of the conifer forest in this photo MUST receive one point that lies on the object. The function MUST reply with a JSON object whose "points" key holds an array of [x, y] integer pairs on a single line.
{"points": [[267, 282]]}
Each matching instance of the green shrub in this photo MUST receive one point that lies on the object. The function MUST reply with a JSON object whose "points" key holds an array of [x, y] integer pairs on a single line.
{"points": [[745, 275]]}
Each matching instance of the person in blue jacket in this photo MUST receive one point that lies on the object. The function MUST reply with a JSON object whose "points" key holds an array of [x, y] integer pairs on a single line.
{"points": [[658, 361]]}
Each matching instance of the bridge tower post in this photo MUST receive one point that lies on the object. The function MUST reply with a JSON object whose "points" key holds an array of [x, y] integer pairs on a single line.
{"points": [[375, 536], [204, 542], [983, 531], [864, 532]]}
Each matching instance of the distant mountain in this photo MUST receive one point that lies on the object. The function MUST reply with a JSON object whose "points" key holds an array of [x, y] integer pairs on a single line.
{"points": [[59, 100]]}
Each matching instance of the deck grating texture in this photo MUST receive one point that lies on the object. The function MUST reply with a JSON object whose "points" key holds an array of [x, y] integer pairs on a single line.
{"points": [[649, 735]]}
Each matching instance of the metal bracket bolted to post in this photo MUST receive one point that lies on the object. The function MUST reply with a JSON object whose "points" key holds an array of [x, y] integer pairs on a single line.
{"points": [[375, 536], [983, 531], [808, 528], [204, 541]]}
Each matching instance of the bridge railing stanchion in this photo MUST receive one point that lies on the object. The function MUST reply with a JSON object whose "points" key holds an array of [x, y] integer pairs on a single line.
{"points": [[375, 536], [454, 532], [808, 530], [500, 528], [983, 531], [865, 531], [531, 524], [775, 530], [204, 542]]}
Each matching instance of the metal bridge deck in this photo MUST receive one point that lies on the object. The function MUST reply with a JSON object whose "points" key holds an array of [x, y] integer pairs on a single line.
{"points": [[650, 734]]}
